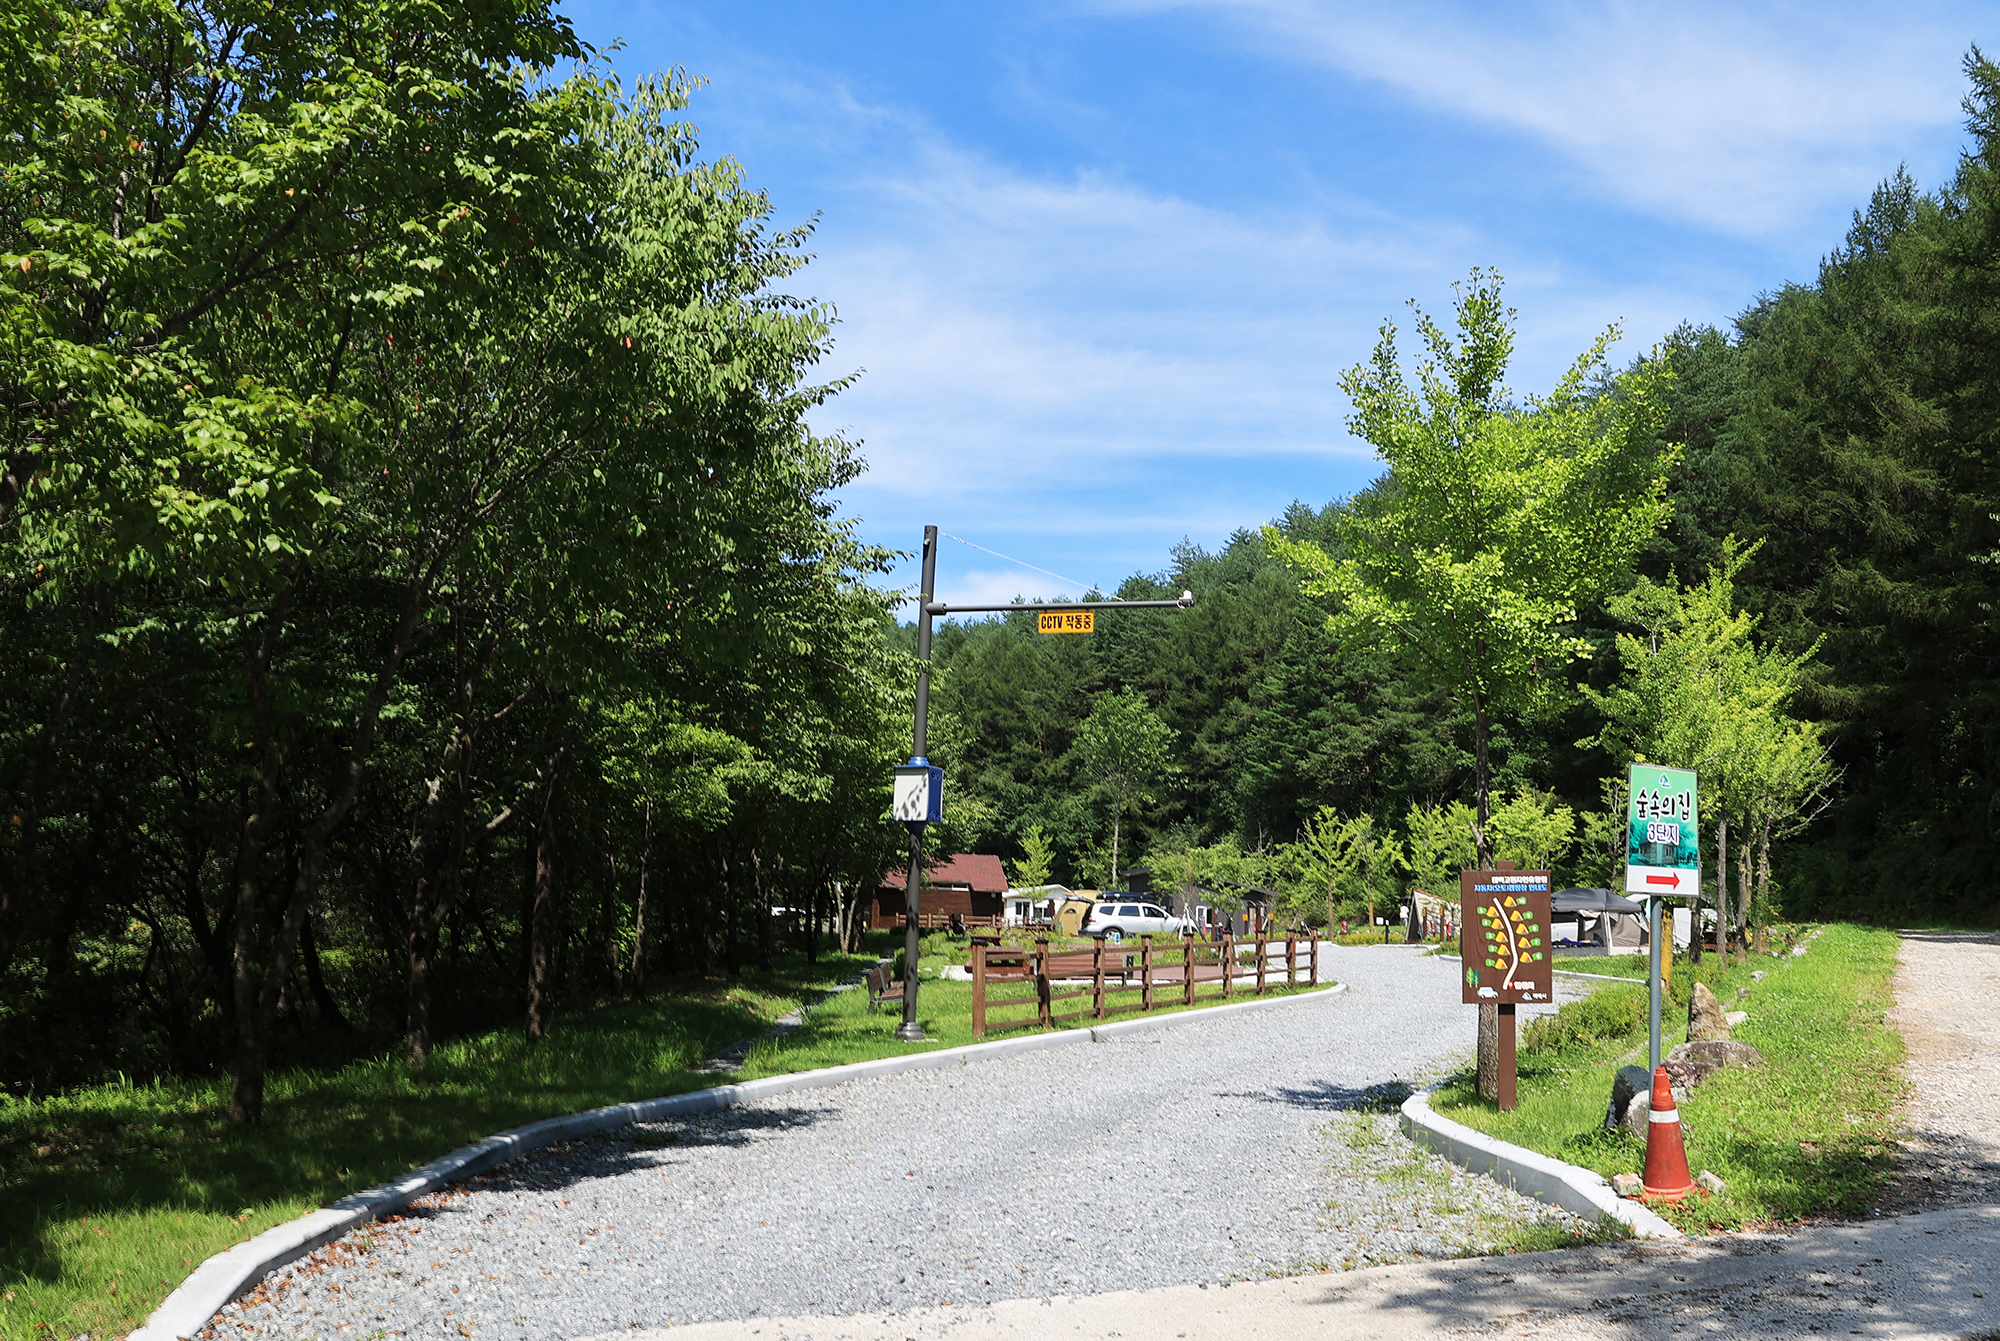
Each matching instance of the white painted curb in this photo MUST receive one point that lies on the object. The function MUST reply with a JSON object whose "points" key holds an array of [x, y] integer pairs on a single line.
{"points": [[1538, 1176], [227, 1274]]}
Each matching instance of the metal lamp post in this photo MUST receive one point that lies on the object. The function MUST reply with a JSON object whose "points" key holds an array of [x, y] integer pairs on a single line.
{"points": [[919, 785]]}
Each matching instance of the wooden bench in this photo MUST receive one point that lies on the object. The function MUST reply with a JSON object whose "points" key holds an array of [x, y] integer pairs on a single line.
{"points": [[883, 985]]}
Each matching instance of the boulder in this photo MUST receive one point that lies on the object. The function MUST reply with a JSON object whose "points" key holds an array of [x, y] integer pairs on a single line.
{"points": [[1705, 1019], [1688, 1072], [1630, 1081], [1638, 1119], [1721, 1051], [1627, 1184]]}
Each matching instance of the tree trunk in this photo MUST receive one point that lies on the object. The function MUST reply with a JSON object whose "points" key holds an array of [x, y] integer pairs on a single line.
{"points": [[1482, 731], [760, 908], [1722, 885], [1762, 907], [323, 998], [701, 919], [639, 913], [1116, 809], [729, 901], [246, 1101], [817, 897], [425, 916], [253, 1025], [17, 871], [542, 921], [1489, 1052], [1743, 901], [614, 962]]}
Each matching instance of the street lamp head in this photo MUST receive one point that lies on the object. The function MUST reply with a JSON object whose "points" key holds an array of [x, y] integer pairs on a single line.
{"points": [[918, 796], [1187, 599]]}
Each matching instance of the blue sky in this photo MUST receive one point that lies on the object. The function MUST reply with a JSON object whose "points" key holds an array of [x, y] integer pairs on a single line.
{"points": [[1100, 265]]}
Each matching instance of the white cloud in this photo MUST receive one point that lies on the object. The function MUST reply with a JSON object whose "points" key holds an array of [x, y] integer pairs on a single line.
{"points": [[1739, 117]]}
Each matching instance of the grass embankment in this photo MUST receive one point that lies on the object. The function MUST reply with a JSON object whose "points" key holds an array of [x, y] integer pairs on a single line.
{"points": [[844, 1030], [1807, 1135], [110, 1196]]}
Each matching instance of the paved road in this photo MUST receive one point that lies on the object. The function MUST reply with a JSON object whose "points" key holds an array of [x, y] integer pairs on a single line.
{"points": [[1926, 1277], [1232, 1149]]}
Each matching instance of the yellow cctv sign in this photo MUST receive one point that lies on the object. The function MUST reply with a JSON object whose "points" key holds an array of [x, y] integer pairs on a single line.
{"points": [[1067, 621]]}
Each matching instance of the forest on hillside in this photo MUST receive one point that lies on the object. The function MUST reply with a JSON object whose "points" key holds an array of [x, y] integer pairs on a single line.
{"points": [[1846, 429], [424, 605]]}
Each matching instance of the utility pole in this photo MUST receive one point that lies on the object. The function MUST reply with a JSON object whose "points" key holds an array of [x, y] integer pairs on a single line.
{"points": [[919, 787], [909, 1030]]}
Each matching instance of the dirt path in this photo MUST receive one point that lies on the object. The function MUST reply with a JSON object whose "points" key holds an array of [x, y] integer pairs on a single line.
{"points": [[1948, 1011]]}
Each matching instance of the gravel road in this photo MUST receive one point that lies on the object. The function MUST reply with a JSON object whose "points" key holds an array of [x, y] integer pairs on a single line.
{"points": [[1233, 1149], [1948, 1011]]}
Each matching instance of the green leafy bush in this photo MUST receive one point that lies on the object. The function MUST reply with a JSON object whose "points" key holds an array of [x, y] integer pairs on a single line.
{"points": [[1611, 1013]]}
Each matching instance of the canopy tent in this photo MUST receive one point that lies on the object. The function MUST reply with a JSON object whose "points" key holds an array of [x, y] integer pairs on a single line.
{"points": [[1592, 901]]}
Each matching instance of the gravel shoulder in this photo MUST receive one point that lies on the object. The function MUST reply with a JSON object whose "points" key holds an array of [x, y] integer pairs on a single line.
{"points": [[1948, 1012], [1235, 1149]]}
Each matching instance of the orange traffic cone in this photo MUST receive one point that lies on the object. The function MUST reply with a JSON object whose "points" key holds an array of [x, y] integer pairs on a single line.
{"points": [[1666, 1157]]}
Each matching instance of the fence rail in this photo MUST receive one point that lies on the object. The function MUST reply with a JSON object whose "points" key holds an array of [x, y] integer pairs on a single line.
{"points": [[942, 921], [1173, 973]]}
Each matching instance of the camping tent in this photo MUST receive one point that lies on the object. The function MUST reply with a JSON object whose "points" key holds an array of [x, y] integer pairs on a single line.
{"points": [[1620, 922], [1592, 901]]}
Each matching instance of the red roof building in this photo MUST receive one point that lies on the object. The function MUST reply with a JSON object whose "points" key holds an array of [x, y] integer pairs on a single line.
{"points": [[969, 884]]}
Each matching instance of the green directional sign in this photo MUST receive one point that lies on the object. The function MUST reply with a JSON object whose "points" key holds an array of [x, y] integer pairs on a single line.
{"points": [[1663, 828]]}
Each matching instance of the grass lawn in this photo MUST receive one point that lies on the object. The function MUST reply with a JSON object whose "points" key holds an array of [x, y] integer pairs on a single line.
{"points": [[110, 1196], [1808, 1135], [1618, 966]]}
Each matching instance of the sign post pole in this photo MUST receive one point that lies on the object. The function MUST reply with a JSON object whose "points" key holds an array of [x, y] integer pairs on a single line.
{"points": [[1662, 861], [913, 817], [1653, 985]]}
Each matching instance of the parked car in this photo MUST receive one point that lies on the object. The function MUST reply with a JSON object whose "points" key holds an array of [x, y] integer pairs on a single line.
{"points": [[1114, 922]]}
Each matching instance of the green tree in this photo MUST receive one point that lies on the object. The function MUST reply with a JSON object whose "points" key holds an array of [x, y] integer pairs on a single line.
{"points": [[1338, 866], [1700, 692], [1499, 521], [1122, 749], [1534, 830], [1438, 846], [1032, 871]]}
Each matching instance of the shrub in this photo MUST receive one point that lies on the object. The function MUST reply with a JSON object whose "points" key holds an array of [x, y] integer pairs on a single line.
{"points": [[1611, 1013]]}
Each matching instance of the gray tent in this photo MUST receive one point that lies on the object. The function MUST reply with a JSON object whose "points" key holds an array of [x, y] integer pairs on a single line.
{"points": [[1592, 901], [1620, 922]]}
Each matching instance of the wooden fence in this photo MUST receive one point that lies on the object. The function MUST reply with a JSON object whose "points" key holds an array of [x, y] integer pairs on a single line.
{"points": [[942, 921], [1174, 973]]}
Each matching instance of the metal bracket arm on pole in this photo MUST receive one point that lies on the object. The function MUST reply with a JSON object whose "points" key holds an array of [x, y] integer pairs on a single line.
{"points": [[1185, 600]]}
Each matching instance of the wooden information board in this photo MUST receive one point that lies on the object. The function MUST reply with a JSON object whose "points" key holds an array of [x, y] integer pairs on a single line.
{"points": [[1504, 936]]}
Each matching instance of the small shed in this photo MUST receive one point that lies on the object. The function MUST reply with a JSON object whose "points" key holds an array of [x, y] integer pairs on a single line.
{"points": [[971, 884]]}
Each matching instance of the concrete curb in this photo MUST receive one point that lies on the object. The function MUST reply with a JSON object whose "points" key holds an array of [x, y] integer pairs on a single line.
{"points": [[1537, 1176], [229, 1273]]}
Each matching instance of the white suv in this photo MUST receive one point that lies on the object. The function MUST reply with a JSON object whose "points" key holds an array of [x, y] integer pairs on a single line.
{"points": [[1115, 921]]}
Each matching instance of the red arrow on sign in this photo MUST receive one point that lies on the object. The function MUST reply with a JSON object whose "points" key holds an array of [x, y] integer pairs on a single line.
{"points": [[1674, 880]]}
